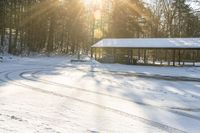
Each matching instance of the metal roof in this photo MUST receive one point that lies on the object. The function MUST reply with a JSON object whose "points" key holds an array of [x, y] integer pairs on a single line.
{"points": [[149, 43]]}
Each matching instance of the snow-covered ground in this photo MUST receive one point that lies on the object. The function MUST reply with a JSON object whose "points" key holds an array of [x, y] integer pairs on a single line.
{"points": [[53, 95]]}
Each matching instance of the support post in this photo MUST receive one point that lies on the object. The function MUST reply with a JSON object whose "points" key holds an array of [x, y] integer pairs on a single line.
{"points": [[139, 54], [194, 59], [165, 55], [99, 53], [183, 57], [179, 57], [131, 56], [91, 53], [154, 55], [145, 54], [95, 54], [161, 61], [174, 58], [169, 58]]}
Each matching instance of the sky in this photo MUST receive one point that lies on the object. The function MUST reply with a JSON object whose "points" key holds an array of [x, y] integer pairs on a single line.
{"points": [[193, 4]]}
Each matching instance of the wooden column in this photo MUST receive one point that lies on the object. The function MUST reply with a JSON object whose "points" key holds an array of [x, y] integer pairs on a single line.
{"points": [[131, 56], [95, 54], [194, 58], [160, 57], [99, 53], [91, 53], [145, 54], [154, 55], [179, 57], [183, 59], [197, 56], [139, 54], [169, 57], [165, 54], [174, 58], [114, 54]]}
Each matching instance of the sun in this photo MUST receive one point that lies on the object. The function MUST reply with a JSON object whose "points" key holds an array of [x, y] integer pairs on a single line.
{"points": [[88, 2], [92, 2]]}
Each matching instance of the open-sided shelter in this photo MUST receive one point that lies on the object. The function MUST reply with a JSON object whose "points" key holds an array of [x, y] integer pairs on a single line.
{"points": [[155, 51]]}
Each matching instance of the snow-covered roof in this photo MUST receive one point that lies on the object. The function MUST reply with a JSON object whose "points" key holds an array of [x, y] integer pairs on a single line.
{"points": [[149, 43]]}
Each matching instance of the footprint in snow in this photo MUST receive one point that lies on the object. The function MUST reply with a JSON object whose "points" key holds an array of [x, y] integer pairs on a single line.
{"points": [[15, 118], [92, 131]]}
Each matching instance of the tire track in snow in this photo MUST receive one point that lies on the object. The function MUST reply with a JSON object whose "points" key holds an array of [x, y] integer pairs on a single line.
{"points": [[169, 109], [147, 76], [185, 93], [166, 108], [134, 117], [36, 78]]}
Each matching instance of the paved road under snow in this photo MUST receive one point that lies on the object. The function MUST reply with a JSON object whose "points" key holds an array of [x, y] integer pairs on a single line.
{"points": [[50, 94]]}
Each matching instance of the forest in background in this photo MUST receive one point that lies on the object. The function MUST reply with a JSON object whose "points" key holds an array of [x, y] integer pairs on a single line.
{"points": [[71, 26]]}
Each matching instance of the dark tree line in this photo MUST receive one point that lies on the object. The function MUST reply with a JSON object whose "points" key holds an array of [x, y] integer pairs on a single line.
{"points": [[41, 26], [68, 26], [160, 18]]}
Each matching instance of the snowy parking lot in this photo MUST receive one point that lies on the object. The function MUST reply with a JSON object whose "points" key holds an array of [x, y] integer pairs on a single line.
{"points": [[53, 95]]}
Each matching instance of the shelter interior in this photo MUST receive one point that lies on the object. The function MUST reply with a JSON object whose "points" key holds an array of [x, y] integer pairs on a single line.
{"points": [[148, 56]]}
